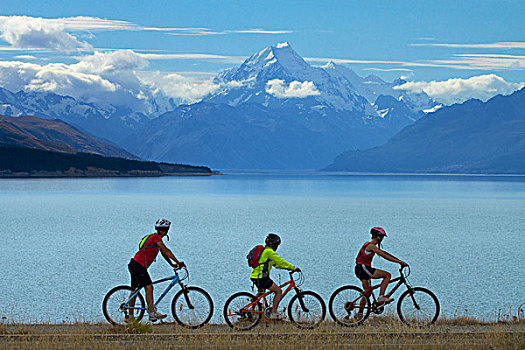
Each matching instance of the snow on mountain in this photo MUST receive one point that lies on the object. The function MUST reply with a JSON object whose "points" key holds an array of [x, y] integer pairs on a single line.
{"points": [[252, 83], [108, 121], [276, 111], [263, 77], [371, 87]]}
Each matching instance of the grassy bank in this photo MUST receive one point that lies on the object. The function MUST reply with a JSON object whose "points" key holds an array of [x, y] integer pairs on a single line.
{"points": [[447, 334]]}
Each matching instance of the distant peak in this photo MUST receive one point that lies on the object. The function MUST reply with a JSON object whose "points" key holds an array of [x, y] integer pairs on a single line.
{"points": [[282, 45], [374, 78], [399, 81], [330, 65]]}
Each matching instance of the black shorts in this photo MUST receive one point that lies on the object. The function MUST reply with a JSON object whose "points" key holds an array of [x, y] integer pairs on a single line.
{"points": [[139, 275], [364, 272], [262, 283]]}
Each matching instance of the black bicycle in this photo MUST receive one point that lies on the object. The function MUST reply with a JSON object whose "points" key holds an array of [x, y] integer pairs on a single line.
{"points": [[417, 306], [191, 307]]}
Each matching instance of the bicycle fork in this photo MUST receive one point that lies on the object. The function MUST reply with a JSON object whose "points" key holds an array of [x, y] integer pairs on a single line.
{"points": [[186, 297], [301, 301]]}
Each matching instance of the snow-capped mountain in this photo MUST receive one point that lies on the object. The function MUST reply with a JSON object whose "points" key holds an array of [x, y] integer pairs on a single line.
{"points": [[103, 120], [273, 111], [277, 76], [276, 111], [109, 122]]}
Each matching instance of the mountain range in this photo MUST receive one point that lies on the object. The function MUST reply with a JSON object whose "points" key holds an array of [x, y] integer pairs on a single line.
{"points": [[472, 137], [276, 111], [105, 121]]}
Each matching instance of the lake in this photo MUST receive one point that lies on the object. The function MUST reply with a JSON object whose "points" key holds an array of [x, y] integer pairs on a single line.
{"points": [[66, 242]]}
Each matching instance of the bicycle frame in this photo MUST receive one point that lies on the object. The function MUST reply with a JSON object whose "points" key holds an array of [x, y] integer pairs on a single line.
{"points": [[400, 281], [291, 285], [174, 280]]}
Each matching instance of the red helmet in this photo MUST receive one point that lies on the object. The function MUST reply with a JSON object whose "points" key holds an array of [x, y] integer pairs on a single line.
{"points": [[378, 231]]}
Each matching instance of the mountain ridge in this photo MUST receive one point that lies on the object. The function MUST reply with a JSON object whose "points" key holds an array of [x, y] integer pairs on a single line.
{"points": [[274, 111], [475, 136], [54, 135]]}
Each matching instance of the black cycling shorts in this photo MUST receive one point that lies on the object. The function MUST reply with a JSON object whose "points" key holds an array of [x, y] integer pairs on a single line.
{"points": [[262, 283], [139, 275], [364, 272]]}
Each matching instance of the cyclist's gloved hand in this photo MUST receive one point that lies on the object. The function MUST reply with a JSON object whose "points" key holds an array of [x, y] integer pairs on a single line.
{"points": [[403, 264], [297, 269], [181, 264]]}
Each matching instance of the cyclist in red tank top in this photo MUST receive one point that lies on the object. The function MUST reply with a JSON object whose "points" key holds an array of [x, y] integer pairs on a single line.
{"points": [[364, 270]]}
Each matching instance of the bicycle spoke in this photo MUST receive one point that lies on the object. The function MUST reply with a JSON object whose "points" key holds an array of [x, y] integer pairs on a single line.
{"points": [[237, 315], [349, 306], [420, 307], [196, 316], [313, 312], [114, 309]]}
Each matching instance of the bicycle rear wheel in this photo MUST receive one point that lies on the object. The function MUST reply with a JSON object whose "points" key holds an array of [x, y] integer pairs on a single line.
{"points": [[418, 307], [306, 309], [344, 306], [197, 316], [115, 311], [237, 316]]}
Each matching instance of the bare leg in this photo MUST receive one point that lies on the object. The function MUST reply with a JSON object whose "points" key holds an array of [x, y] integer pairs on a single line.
{"points": [[149, 297], [131, 312], [384, 283], [362, 302], [277, 298]]}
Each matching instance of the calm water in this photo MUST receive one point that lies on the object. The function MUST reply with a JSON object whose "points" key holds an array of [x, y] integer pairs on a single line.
{"points": [[66, 242]]}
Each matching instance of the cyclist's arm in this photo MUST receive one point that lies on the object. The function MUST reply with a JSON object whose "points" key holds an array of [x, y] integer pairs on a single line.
{"points": [[280, 263], [167, 254], [384, 254]]}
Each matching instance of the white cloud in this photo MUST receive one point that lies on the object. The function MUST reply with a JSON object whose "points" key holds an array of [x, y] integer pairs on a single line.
{"points": [[497, 45], [457, 61], [182, 88], [114, 77], [25, 57], [280, 89], [24, 32], [193, 56], [102, 78], [457, 90], [389, 69], [38, 33]]}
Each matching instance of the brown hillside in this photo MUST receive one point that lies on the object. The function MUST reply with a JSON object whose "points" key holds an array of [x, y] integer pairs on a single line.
{"points": [[53, 135]]}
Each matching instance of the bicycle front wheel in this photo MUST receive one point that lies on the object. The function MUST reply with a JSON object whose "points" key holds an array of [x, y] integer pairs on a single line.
{"points": [[418, 307], [115, 309], [236, 313], [306, 309], [344, 306], [200, 311]]}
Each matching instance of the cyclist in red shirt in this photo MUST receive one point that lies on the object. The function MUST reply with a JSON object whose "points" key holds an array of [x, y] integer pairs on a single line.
{"points": [[149, 247], [364, 270]]}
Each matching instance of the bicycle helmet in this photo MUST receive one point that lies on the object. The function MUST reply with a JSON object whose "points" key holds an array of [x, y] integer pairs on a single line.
{"points": [[272, 239], [378, 232], [162, 224]]}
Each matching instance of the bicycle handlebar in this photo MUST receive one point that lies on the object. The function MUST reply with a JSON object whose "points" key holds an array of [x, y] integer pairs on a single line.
{"points": [[403, 267]]}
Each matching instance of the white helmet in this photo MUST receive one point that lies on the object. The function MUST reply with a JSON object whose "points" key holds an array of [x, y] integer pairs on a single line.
{"points": [[162, 224]]}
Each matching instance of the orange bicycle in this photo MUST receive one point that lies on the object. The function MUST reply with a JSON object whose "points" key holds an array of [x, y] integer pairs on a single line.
{"points": [[306, 309]]}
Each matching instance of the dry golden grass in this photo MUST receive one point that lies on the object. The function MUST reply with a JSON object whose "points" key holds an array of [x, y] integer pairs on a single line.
{"points": [[380, 332]]}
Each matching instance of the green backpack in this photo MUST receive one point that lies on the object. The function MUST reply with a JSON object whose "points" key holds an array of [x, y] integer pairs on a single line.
{"points": [[142, 245]]}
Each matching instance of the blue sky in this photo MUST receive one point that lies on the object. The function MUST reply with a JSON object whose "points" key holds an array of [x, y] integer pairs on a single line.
{"points": [[424, 41]]}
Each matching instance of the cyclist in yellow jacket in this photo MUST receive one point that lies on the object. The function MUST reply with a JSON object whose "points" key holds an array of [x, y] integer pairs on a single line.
{"points": [[260, 275]]}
